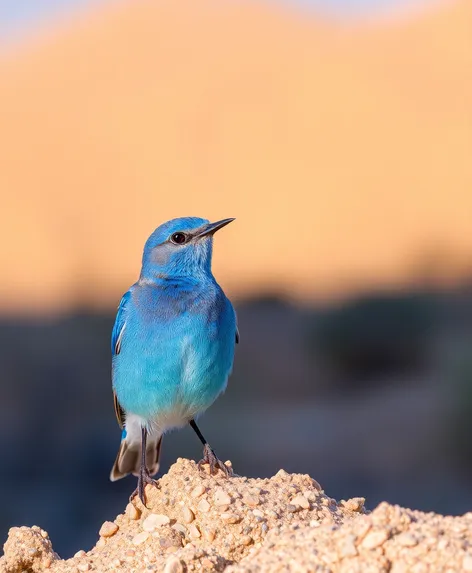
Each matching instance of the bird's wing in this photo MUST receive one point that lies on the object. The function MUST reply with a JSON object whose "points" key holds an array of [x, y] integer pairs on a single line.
{"points": [[236, 334], [120, 413], [120, 325], [116, 339]]}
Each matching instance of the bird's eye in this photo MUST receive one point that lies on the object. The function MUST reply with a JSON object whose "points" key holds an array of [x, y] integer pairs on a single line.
{"points": [[179, 238]]}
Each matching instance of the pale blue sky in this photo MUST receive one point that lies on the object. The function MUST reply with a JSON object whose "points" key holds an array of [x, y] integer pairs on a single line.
{"points": [[17, 16]]}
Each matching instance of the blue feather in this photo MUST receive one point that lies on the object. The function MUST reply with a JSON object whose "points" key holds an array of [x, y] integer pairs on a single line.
{"points": [[119, 325], [173, 340]]}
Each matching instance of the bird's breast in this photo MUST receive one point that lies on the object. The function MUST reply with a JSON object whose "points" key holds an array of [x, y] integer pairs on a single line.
{"points": [[175, 362]]}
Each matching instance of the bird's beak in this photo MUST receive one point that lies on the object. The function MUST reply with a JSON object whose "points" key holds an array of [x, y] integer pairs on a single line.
{"points": [[211, 228]]}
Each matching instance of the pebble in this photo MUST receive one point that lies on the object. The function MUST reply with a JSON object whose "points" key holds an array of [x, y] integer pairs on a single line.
{"points": [[251, 500], [362, 529], [204, 506], [459, 528], [467, 562], [441, 545], [198, 491], [230, 517], [257, 513], [194, 532], [140, 538], [174, 565], [374, 539], [246, 540], [209, 534], [207, 563], [407, 539], [100, 543], [222, 498], [80, 553], [301, 501], [187, 515], [155, 520], [348, 547], [132, 511], [44, 534], [108, 529], [355, 504]]}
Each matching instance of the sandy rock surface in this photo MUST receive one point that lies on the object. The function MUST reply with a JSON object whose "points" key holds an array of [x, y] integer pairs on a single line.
{"points": [[197, 522]]}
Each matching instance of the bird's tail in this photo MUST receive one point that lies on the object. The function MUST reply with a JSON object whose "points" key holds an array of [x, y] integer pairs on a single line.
{"points": [[128, 460]]}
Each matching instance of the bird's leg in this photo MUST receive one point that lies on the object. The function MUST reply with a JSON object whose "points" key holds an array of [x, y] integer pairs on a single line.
{"points": [[144, 477], [209, 456]]}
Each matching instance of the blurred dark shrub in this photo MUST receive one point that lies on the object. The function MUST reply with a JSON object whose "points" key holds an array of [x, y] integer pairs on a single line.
{"points": [[373, 336], [459, 389], [265, 301]]}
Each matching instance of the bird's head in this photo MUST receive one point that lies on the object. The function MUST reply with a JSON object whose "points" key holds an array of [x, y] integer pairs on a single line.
{"points": [[180, 247]]}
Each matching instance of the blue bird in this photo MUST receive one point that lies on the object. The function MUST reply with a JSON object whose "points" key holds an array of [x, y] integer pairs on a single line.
{"points": [[172, 346]]}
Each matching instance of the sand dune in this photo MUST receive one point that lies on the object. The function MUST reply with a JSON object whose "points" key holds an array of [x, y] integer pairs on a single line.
{"points": [[344, 152]]}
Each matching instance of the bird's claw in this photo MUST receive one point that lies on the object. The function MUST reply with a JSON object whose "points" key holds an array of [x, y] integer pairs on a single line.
{"points": [[144, 479], [210, 458]]}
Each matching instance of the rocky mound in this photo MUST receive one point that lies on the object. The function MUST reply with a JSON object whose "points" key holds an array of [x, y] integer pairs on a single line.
{"points": [[196, 522]]}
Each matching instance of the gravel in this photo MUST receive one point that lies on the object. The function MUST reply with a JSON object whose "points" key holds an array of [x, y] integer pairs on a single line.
{"points": [[197, 522]]}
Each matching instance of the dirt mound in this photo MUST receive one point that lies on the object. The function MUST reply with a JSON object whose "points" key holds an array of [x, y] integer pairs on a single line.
{"points": [[195, 522], [389, 540]]}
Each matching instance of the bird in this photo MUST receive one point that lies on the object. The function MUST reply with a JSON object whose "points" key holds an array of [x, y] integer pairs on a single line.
{"points": [[172, 344]]}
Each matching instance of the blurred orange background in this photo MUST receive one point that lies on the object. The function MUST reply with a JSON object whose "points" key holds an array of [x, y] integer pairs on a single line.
{"points": [[343, 149]]}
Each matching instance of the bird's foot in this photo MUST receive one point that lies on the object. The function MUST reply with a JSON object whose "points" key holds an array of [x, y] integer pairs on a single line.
{"points": [[144, 479], [210, 458]]}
